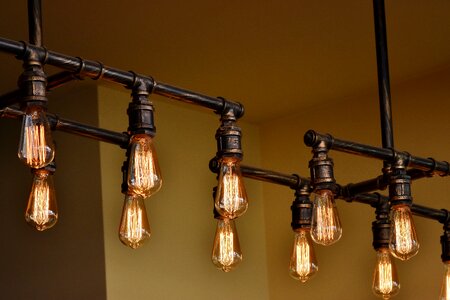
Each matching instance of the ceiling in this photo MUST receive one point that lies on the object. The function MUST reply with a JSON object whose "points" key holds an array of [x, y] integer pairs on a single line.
{"points": [[276, 57]]}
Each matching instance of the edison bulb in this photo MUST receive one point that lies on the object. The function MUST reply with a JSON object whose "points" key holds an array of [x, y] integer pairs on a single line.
{"points": [[41, 211], [385, 278], [303, 264], [144, 175], [134, 229], [403, 238], [231, 197], [226, 253], [445, 289], [325, 225], [36, 148]]}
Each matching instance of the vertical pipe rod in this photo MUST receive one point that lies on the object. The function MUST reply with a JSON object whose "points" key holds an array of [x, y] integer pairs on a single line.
{"points": [[384, 91], [35, 22]]}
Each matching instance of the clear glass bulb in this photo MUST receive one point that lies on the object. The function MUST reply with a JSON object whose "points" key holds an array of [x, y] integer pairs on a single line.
{"points": [[144, 175], [36, 148], [385, 278], [303, 263], [445, 289], [231, 197], [403, 239], [134, 229], [226, 253], [325, 225], [41, 212]]}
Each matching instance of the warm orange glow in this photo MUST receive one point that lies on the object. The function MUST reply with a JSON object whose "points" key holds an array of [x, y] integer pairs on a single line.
{"points": [[134, 227], [326, 227], [226, 250], [144, 175], [231, 198], [303, 264], [41, 212], [403, 241], [36, 147], [385, 278]]}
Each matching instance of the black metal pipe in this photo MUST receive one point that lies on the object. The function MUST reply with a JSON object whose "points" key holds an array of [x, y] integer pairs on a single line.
{"points": [[384, 92], [293, 181], [35, 22], [429, 165], [53, 82], [97, 70], [439, 215], [217, 104], [372, 199], [76, 128], [378, 183]]}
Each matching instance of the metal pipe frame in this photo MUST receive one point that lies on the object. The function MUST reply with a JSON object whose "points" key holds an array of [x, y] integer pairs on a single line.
{"points": [[429, 165], [65, 125], [295, 182], [384, 92], [96, 70]]}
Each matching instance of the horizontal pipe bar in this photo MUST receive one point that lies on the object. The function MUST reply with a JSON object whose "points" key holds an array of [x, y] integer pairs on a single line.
{"points": [[53, 82], [313, 139], [372, 199], [292, 181], [216, 104], [97, 70], [377, 183], [76, 128], [439, 215]]}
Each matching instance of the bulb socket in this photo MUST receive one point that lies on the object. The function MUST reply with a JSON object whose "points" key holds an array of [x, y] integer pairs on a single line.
{"points": [[445, 246], [381, 227], [228, 137], [301, 209], [33, 84], [400, 188], [140, 112], [321, 169]]}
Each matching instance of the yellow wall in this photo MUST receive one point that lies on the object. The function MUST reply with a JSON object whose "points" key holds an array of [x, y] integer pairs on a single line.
{"points": [[421, 126], [176, 261]]}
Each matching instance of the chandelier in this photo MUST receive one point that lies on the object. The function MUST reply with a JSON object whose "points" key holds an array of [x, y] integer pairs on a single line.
{"points": [[315, 218]]}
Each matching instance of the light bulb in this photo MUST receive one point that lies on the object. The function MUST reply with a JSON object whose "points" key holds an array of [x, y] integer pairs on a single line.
{"points": [[41, 212], [144, 175], [134, 229], [403, 238], [36, 148], [385, 278], [226, 253], [325, 225], [445, 289], [231, 197], [303, 263]]}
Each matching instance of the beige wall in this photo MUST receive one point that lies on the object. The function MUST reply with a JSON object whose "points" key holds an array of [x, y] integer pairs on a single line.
{"points": [[421, 126], [176, 261]]}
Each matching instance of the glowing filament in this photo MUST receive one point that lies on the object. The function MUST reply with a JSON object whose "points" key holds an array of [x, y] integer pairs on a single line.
{"points": [[144, 176], [231, 198], [385, 280], [403, 241], [134, 228], [226, 247], [36, 147], [41, 212], [326, 227], [226, 254], [445, 290], [303, 264]]}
